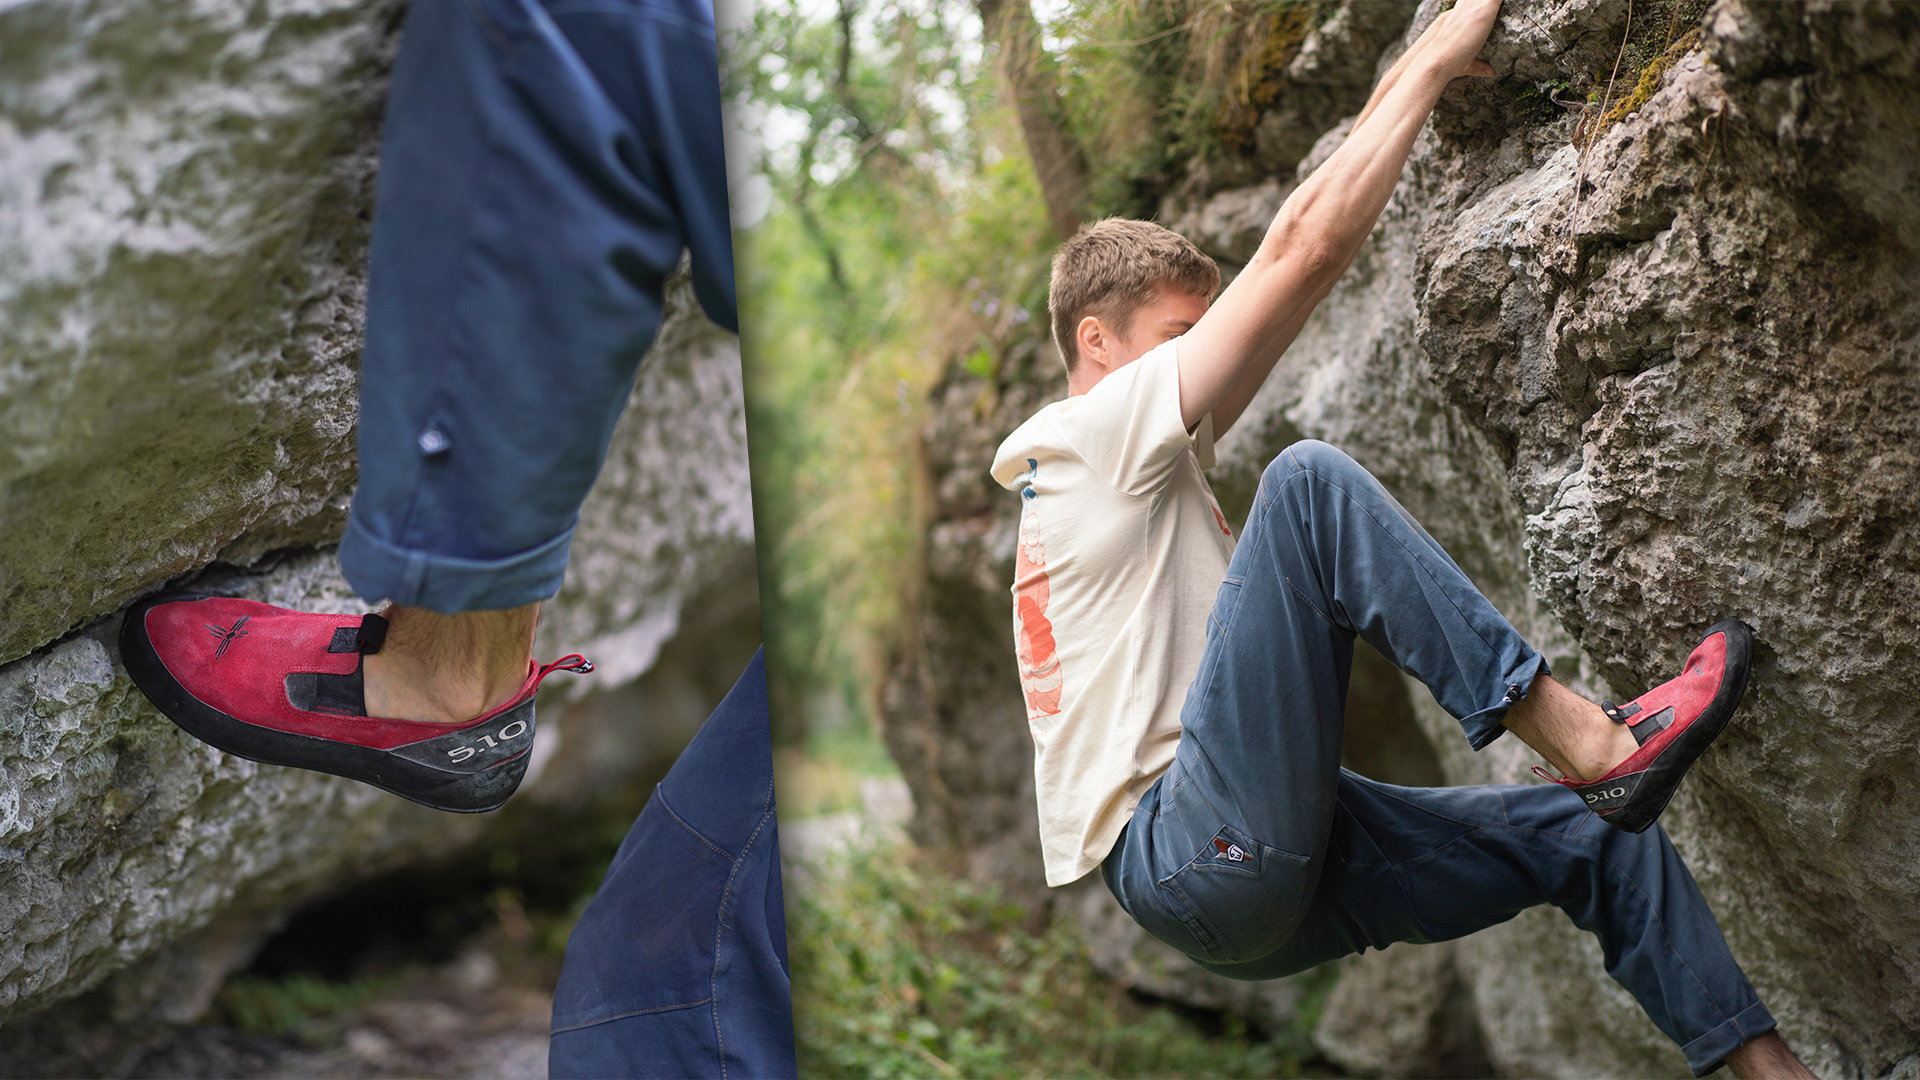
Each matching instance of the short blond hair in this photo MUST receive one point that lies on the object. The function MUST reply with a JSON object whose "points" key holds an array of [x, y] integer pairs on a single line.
{"points": [[1114, 267]]}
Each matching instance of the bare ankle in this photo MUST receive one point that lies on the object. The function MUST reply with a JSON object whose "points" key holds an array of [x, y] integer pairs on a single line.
{"points": [[448, 668], [1572, 733], [1767, 1057], [1606, 747]]}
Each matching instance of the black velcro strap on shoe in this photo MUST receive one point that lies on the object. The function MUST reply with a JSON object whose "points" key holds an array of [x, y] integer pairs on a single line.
{"points": [[319, 691], [365, 638], [1619, 713], [1652, 725], [373, 633]]}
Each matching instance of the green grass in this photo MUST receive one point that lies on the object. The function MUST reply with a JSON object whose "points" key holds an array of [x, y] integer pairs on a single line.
{"points": [[824, 775], [298, 1007], [902, 970]]}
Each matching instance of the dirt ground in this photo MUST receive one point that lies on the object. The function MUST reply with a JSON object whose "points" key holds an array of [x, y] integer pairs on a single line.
{"points": [[483, 1014]]}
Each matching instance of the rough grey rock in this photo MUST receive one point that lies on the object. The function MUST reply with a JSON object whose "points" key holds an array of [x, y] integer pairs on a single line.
{"points": [[1327, 77], [1121, 951], [1613, 357], [1345, 50], [1703, 369], [1633, 388], [1403, 1011], [184, 191], [119, 833], [1231, 224], [183, 199]]}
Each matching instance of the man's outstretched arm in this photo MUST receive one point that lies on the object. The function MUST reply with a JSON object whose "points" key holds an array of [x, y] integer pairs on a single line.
{"points": [[1229, 352]]}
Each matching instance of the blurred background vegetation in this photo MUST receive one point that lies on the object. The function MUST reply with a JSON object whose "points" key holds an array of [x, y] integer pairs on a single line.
{"points": [[917, 163], [903, 969], [902, 223]]}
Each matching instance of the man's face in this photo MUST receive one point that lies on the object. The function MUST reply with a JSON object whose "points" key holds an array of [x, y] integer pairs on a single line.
{"points": [[1167, 317]]}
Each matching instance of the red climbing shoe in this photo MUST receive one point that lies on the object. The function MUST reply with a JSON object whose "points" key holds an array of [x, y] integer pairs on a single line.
{"points": [[1674, 723], [284, 687]]}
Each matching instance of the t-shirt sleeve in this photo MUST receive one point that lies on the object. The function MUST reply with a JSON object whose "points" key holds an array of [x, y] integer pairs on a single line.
{"points": [[1128, 427], [1203, 442]]}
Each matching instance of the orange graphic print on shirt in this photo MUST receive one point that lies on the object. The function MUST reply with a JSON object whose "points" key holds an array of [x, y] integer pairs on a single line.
{"points": [[1040, 674]]}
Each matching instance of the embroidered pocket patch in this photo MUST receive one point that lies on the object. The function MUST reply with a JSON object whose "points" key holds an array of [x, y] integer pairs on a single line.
{"points": [[1231, 849]]}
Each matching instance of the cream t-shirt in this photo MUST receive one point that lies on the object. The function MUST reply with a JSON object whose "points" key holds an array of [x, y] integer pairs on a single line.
{"points": [[1122, 549]]}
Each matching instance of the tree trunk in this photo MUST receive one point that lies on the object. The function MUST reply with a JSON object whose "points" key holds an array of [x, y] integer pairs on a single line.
{"points": [[1057, 159]]}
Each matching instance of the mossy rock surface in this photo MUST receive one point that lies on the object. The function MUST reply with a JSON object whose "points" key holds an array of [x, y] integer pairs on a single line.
{"points": [[185, 196]]}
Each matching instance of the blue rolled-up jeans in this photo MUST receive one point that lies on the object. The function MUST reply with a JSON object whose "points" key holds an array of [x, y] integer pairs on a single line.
{"points": [[678, 968], [542, 166], [1258, 856]]}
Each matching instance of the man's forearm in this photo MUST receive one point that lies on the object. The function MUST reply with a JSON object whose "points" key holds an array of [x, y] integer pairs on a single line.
{"points": [[1333, 211], [1321, 226], [1387, 82], [1339, 203], [1241, 394]]}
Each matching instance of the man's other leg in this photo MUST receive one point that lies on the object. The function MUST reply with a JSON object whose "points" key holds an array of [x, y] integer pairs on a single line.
{"points": [[518, 263], [1259, 857], [678, 968], [1433, 864], [541, 170]]}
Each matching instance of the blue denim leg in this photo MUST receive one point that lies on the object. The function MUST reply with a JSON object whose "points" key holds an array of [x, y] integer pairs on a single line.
{"points": [[1256, 855], [542, 166], [678, 968]]}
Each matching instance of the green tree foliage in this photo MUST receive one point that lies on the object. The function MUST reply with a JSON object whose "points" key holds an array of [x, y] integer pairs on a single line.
{"points": [[903, 220]]}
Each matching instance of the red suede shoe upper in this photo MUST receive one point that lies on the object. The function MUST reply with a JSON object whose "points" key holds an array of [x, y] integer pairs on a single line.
{"points": [[1689, 695], [234, 656]]}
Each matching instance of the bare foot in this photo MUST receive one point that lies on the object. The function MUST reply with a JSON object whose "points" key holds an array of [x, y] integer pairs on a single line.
{"points": [[1569, 731], [1767, 1058], [448, 668]]}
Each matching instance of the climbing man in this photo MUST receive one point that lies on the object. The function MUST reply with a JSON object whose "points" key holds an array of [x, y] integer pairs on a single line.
{"points": [[1185, 692]]}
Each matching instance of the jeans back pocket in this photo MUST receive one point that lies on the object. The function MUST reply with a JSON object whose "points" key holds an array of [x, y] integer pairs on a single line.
{"points": [[1239, 898]]}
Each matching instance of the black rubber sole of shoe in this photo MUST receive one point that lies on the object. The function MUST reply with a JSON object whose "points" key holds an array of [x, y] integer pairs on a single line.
{"points": [[498, 749], [1656, 784]]}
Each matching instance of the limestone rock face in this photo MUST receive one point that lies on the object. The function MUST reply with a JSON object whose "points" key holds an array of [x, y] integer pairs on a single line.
{"points": [[184, 196], [1402, 1011], [954, 718], [183, 199], [1634, 386], [120, 834]]}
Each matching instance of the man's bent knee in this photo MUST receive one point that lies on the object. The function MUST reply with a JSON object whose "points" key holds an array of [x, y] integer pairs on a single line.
{"points": [[1310, 455]]}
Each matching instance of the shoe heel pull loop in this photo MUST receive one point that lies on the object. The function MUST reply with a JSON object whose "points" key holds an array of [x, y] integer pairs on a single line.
{"points": [[573, 662], [1545, 775]]}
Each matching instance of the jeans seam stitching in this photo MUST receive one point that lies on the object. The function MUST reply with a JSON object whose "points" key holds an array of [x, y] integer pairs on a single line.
{"points": [[1414, 557], [628, 1014], [697, 834]]}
